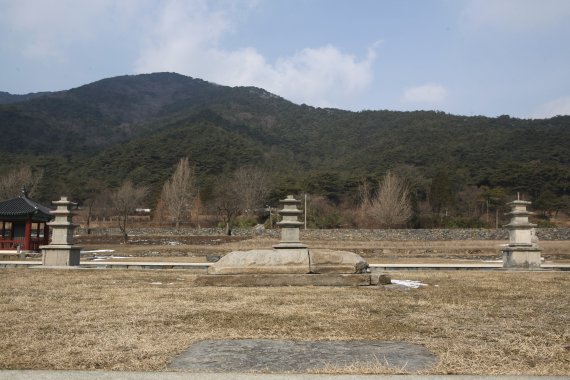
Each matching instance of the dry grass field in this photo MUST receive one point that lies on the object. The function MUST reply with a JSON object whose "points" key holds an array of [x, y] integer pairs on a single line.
{"points": [[476, 322]]}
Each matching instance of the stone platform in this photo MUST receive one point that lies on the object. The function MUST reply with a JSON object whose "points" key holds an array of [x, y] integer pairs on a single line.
{"points": [[289, 261], [246, 280], [293, 356]]}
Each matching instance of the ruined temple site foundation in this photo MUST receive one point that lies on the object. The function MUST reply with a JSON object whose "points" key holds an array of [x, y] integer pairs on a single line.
{"points": [[289, 262]]}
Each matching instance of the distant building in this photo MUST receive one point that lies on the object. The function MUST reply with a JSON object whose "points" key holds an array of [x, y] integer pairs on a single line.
{"points": [[23, 223]]}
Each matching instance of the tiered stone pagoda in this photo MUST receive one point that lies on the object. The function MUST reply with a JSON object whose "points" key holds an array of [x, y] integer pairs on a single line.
{"points": [[290, 224], [61, 251], [522, 251]]}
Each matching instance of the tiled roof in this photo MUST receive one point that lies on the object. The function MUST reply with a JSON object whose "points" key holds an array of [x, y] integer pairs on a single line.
{"points": [[22, 206]]}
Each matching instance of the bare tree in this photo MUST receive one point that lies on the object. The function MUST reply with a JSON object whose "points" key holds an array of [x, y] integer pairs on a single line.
{"points": [[227, 203], [87, 213], [179, 192], [365, 194], [242, 193], [391, 206], [323, 213], [12, 182], [102, 207], [93, 189], [252, 187], [124, 200]]}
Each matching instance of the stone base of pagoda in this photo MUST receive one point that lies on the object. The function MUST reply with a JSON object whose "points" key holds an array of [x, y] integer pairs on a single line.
{"points": [[61, 255], [521, 257]]}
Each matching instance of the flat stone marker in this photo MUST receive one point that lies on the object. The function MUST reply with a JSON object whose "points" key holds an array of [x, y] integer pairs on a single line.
{"points": [[265, 355]]}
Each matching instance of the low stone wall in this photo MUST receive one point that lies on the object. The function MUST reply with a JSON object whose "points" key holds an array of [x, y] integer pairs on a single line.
{"points": [[345, 234]]}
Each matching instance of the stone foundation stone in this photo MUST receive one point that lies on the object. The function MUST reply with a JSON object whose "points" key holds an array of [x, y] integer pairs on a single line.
{"points": [[63, 255], [328, 261], [521, 258], [265, 261], [292, 261]]}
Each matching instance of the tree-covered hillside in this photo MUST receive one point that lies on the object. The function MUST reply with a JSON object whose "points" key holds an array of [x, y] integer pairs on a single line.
{"points": [[137, 127]]}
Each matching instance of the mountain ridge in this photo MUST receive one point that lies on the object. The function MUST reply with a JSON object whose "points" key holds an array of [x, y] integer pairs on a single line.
{"points": [[138, 126]]}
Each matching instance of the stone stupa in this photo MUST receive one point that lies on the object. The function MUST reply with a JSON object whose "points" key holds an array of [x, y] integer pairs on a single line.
{"points": [[522, 251], [289, 262], [61, 251]]}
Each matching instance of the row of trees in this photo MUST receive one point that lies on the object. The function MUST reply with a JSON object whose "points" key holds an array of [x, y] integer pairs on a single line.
{"points": [[402, 199], [241, 195]]}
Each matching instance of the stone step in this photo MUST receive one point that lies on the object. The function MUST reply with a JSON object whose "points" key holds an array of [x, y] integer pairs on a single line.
{"points": [[284, 280]]}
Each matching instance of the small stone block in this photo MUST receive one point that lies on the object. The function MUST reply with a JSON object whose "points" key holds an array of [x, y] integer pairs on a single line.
{"points": [[380, 279], [213, 258]]}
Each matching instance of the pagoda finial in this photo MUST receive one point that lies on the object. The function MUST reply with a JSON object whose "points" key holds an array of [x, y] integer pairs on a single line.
{"points": [[23, 192]]}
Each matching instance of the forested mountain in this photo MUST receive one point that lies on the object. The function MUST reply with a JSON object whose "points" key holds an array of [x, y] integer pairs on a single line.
{"points": [[6, 97], [138, 127]]}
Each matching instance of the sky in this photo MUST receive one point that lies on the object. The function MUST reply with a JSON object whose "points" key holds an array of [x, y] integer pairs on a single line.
{"points": [[464, 57]]}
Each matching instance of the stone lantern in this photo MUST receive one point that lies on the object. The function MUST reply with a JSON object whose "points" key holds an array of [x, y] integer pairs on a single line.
{"points": [[61, 251], [522, 250]]}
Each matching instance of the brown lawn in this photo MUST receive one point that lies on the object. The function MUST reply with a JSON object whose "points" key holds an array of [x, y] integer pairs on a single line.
{"points": [[476, 322]]}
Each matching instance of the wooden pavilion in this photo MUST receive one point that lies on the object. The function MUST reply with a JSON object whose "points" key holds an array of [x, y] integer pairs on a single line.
{"points": [[23, 223]]}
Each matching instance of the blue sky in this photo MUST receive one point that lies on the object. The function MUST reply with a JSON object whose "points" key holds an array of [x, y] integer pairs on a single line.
{"points": [[468, 57]]}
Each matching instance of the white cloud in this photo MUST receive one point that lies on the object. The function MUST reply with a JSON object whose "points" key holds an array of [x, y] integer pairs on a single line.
{"points": [[46, 28], [556, 107], [428, 94], [185, 38], [55, 29], [515, 15]]}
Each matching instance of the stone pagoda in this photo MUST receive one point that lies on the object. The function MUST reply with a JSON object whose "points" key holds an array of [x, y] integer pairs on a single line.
{"points": [[61, 251], [290, 225], [523, 250]]}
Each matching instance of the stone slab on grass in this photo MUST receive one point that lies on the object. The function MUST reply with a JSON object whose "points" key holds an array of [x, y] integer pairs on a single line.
{"points": [[264, 355], [262, 261], [283, 280], [289, 261]]}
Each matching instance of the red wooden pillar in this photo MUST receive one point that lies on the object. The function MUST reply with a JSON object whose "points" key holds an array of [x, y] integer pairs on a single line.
{"points": [[37, 240], [46, 234], [28, 235]]}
